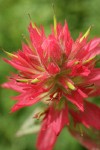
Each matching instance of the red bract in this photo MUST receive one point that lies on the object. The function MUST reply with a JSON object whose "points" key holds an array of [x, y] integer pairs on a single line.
{"points": [[60, 72]]}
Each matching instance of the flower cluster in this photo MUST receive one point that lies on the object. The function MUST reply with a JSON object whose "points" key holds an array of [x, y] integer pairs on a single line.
{"points": [[60, 72]]}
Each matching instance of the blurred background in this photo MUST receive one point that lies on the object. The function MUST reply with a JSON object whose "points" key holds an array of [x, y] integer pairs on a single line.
{"points": [[14, 21]]}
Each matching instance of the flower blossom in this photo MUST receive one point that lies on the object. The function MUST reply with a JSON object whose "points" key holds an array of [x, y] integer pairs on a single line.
{"points": [[61, 73]]}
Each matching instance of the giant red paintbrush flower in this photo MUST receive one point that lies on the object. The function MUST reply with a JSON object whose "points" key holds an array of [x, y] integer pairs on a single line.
{"points": [[60, 72]]}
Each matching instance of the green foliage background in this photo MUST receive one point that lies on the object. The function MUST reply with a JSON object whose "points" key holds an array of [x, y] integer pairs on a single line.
{"points": [[80, 14]]}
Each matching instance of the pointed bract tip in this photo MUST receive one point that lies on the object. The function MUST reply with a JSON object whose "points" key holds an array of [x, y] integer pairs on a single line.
{"points": [[10, 54], [28, 80], [35, 27], [55, 24], [86, 34], [54, 19]]}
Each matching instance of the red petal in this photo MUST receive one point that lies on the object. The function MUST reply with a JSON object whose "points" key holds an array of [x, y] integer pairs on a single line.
{"points": [[59, 118], [46, 138], [90, 117], [35, 36], [51, 46], [53, 69], [65, 39], [76, 99], [93, 48], [94, 77]]}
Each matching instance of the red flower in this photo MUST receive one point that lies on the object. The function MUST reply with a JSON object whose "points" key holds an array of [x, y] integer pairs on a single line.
{"points": [[60, 72]]}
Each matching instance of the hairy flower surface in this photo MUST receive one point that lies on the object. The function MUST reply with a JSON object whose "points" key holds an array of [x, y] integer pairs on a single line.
{"points": [[60, 72]]}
